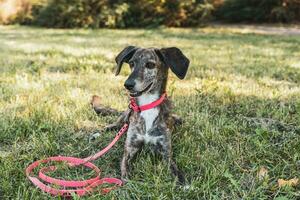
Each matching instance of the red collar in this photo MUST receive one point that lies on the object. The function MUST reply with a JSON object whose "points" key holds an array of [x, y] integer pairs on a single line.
{"points": [[151, 105]]}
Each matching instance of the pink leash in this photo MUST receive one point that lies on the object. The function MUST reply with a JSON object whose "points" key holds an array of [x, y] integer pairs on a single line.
{"points": [[81, 188], [84, 187]]}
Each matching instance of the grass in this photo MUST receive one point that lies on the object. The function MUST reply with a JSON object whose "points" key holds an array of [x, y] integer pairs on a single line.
{"points": [[240, 102]]}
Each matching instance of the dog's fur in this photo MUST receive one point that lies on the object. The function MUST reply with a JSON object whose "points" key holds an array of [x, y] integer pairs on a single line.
{"points": [[147, 82]]}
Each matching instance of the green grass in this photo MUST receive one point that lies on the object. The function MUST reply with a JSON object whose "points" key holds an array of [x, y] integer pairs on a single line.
{"points": [[47, 77]]}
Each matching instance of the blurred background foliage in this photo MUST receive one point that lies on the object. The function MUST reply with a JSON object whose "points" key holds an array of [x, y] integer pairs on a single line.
{"points": [[145, 13]]}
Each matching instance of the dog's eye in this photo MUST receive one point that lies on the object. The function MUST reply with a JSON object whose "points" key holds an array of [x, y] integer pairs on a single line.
{"points": [[150, 65]]}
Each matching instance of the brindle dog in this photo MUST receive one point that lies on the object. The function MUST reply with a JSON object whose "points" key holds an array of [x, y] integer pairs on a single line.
{"points": [[147, 82]]}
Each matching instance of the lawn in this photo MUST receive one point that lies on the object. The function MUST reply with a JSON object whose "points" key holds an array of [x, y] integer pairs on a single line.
{"points": [[240, 103]]}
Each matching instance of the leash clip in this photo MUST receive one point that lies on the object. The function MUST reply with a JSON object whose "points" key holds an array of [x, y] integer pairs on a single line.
{"points": [[133, 106]]}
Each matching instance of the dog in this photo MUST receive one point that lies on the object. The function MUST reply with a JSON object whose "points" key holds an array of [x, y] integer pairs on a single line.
{"points": [[147, 83]]}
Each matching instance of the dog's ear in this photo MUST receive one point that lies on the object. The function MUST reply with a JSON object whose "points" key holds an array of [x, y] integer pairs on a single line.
{"points": [[174, 58], [124, 56]]}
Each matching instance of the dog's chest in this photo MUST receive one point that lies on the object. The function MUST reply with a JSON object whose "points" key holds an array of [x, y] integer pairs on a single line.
{"points": [[145, 120], [150, 115]]}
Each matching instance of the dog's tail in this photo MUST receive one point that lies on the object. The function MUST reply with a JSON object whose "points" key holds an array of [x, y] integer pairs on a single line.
{"points": [[102, 110]]}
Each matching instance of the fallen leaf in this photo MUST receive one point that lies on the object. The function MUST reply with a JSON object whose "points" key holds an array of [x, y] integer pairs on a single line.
{"points": [[291, 182], [262, 173]]}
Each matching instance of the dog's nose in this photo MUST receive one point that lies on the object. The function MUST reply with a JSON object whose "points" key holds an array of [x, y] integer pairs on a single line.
{"points": [[129, 84]]}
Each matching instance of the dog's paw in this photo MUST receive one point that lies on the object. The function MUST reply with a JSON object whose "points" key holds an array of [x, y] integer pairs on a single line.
{"points": [[93, 137], [124, 180]]}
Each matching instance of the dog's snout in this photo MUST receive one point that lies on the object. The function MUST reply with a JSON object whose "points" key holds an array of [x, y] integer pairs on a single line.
{"points": [[129, 84]]}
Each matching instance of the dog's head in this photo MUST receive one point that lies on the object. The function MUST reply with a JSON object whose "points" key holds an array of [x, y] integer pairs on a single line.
{"points": [[148, 66]]}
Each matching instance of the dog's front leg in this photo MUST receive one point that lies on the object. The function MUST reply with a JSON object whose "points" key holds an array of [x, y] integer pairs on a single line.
{"points": [[166, 151], [132, 147], [129, 153]]}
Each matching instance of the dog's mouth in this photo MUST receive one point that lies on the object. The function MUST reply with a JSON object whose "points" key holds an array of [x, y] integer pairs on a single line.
{"points": [[139, 93]]}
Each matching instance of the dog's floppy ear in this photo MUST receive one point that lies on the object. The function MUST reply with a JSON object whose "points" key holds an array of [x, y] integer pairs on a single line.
{"points": [[124, 56], [174, 59]]}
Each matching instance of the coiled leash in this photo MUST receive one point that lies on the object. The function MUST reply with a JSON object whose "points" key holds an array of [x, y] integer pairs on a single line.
{"points": [[88, 186]]}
